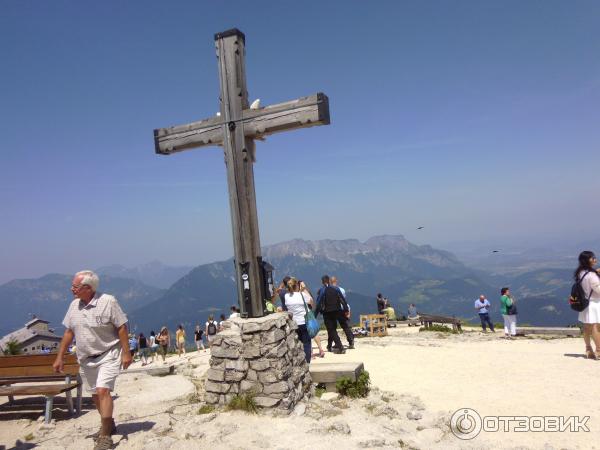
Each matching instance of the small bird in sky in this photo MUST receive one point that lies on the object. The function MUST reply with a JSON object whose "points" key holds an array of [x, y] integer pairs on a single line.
{"points": [[495, 251], [255, 104], [420, 228]]}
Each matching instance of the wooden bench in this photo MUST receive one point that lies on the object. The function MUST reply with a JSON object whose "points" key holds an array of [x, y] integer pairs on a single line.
{"points": [[409, 322], [375, 324], [427, 320], [329, 373], [15, 370], [559, 331]]}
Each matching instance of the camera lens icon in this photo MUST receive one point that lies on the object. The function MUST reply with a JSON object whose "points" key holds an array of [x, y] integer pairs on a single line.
{"points": [[465, 424]]}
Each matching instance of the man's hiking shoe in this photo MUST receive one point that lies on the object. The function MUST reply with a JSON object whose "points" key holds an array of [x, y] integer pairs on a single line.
{"points": [[339, 351], [103, 443], [351, 347], [113, 431]]}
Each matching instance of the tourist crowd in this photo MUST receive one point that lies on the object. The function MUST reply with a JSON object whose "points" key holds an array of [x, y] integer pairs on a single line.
{"points": [[292, 295]]}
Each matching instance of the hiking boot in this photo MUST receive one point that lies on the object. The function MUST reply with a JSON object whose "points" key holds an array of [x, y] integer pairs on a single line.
{"points": [[339, 351], [103, 443], [351, 346], [113, 431]]}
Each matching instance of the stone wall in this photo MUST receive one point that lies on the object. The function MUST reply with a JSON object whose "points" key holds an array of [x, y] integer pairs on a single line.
{"points": [[261, 355]]}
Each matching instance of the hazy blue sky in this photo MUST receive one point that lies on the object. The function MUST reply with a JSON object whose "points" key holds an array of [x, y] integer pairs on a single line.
{"points": [[479, 120]]}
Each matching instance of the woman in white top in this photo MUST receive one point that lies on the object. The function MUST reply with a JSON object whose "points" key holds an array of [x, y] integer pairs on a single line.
{"points": [[153, 345], [590, 316], [311, 305], [296, 307]]}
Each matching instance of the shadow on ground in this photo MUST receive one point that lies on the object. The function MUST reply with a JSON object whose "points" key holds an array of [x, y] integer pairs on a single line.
{"points": [[575, 355], [34, 407]]}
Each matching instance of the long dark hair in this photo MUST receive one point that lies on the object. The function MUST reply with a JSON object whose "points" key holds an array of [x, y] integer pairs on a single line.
{"points": [[584, 263]]}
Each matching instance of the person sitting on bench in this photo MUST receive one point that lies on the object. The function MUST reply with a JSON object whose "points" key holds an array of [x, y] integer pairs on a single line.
{"points": [[412, 311]]}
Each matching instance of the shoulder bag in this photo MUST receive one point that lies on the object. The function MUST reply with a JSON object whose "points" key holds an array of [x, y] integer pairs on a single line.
{"points": [[312, 324]]}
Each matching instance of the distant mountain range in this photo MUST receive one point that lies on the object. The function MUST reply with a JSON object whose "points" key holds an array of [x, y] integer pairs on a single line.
{"points": [[153, 273], [404, 272], [49, 296]]}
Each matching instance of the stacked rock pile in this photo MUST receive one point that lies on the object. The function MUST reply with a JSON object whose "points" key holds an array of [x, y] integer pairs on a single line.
{"points": [[259, 355]]}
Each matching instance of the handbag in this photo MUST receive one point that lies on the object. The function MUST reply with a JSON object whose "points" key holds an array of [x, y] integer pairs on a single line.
{"points": [[512, 309], [312, 324]]}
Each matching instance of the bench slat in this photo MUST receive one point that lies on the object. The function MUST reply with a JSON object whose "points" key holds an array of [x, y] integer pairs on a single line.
{"points": [[13, 380], [30, 371], [34, 360], [38, 389]]}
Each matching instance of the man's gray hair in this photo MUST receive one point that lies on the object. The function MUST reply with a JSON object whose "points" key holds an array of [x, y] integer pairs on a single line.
{"points": [[90, 278]]}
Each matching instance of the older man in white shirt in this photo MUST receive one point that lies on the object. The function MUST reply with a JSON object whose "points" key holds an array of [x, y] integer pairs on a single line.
{"points": [[99, 326]]}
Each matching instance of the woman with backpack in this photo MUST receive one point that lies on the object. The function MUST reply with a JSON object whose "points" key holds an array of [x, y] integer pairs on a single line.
{"points": [[144, 349], [587, 277], [211, 330], [508, 308], [198, 338]]}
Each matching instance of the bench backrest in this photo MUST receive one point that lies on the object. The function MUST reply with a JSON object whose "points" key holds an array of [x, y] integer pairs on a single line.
{"points": [[35, 365], [440, 319]]}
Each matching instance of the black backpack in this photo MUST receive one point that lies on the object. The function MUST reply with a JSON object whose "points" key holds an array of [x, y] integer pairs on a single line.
{"points": [[212, 328], [578, 300]]}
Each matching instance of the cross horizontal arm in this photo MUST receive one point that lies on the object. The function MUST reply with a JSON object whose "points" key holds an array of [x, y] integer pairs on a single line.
{"points": [[300, 113]]}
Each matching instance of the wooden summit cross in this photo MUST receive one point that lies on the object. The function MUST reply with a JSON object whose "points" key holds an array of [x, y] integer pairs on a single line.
{"points": [[235, 129]]}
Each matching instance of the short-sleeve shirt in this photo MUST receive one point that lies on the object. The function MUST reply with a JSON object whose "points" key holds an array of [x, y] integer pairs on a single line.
{"points": [[590, 285], [295, 305], [95, 324], [486, 306]]}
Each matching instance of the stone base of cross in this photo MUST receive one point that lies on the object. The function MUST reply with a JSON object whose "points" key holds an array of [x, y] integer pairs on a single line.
{"points": [[235, 129]]}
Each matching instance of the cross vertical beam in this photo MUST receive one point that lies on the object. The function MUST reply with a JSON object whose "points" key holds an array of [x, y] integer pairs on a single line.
{"points": [[239, 159]]}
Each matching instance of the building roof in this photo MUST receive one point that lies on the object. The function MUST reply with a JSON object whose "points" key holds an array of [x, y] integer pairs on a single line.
{"points": [[34, 321], [25, 334]]}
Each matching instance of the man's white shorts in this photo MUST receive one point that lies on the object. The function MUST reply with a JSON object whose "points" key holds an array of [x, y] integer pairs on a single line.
{"points": [[102, 371]]}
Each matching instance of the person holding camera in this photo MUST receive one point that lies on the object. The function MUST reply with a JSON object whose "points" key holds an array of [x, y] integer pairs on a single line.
{"points": [[482, 305], [508, 309]]}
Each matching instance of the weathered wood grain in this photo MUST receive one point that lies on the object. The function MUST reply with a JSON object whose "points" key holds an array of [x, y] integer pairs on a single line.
{"points": [[257, 123]]}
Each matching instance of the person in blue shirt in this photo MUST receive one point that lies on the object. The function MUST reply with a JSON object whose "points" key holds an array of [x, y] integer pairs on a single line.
{"points": [[482, 305], [132, 344]]}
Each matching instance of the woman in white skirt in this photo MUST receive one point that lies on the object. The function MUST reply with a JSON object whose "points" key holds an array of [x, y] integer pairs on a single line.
{"points": [[587, 275]]}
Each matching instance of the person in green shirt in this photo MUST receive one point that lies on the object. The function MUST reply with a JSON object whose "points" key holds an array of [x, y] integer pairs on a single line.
{"points": [[270, 305], [509, 312]]}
